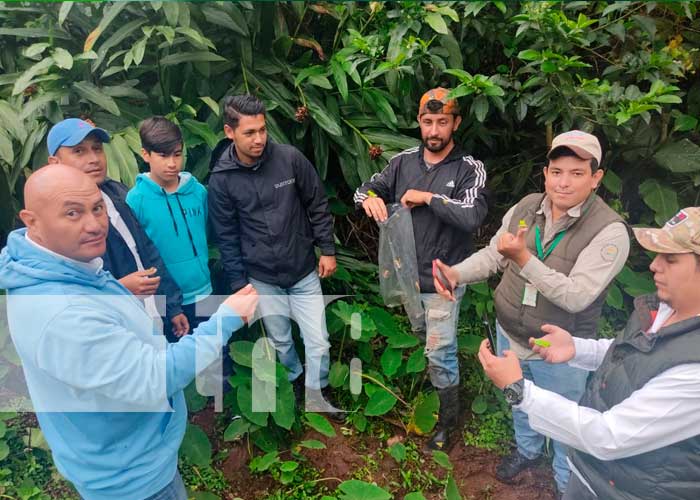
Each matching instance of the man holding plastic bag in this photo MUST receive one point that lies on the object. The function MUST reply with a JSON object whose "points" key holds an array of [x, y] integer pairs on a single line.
{"points": [[444, 188]]}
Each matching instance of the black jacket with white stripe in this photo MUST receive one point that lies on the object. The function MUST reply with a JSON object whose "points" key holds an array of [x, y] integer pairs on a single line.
{"points": [[443, 229]]}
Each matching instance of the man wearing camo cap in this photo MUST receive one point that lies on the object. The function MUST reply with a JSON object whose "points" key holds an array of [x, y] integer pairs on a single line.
{"points": [[636, 432]]}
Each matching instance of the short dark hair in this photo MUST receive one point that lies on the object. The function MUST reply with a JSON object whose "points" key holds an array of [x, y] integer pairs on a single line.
{"points": [[236, 106], [160, 135], [563, 151]]}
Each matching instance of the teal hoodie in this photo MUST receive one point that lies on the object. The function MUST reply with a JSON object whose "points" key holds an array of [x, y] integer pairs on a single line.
{"points": [[106, 386], [177, 224]]}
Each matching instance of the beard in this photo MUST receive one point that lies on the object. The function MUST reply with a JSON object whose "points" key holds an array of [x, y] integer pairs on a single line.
{"points": [[437, 146]]}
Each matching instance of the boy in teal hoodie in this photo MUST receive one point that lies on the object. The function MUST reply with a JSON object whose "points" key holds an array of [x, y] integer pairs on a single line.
{"points": [[171, 205]]}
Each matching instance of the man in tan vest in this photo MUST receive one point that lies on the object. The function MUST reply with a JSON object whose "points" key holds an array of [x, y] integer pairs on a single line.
{"points": [[558, 252]]}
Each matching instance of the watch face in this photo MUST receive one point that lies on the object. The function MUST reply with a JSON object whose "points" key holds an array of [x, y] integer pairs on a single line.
{"points": [[513, 393]]}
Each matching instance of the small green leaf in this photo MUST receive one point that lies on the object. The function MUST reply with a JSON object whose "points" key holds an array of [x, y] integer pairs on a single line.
{"points": [[416, 362], [480, 107], [441, 458], [398, 452], [312, 444], [236, 429], [63, 58], [338, 374], [289, 465], [4, 450], [529, 55], [320, 424], [425, 412], [479, 405]]}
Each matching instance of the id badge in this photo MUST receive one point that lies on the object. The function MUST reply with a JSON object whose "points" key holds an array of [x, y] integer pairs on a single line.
{"points": [[530, 295]]}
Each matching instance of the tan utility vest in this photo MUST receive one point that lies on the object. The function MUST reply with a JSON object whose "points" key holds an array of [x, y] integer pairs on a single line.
{"points": [[521, 321]]}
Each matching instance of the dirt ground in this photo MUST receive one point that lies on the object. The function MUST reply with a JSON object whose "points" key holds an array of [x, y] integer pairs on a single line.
{"points": [[344, 456]]}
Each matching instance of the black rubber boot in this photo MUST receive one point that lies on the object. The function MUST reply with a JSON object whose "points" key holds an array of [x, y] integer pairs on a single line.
{"points": [[512, 465], [447, 419]]}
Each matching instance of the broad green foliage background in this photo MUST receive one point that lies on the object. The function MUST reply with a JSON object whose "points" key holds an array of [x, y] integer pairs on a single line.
{"points": [[341, 81]]}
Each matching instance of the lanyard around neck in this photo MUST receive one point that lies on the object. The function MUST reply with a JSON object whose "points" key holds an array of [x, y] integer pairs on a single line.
{"points": [[538, 243]]}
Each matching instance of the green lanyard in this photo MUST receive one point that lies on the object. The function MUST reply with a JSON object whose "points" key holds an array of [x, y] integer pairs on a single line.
{"points": [[538, 242]]}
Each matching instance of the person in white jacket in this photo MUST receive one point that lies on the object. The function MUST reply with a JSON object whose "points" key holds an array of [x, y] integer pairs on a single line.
{"points": [[636, 432]]}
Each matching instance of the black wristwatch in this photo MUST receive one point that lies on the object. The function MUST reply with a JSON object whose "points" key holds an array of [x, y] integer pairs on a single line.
{"points": [[514, 392]]}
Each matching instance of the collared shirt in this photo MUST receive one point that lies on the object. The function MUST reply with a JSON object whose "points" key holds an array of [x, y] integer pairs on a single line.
{"points": [[595, 268], [116, 220], [666, 410]]}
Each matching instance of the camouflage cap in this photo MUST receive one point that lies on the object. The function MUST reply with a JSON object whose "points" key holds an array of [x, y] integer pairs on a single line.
{"points": [[435, 101], [681, 234]]}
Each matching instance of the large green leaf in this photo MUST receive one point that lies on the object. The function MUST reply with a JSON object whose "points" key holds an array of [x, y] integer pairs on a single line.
{"points": [[110, 13], [35, 69], [390, 361], [34, 33], [662, 199], [196, 446], [320, 144], [437, 22], [425, 412], [194, 56], [6, 149], [402, 341], [323, 119], [416, 362], [360, 490], [241, 352], [680, 157], [201, 130], [93, 94], [390, 140], [284, 413], [320, 424], [380, 402], [244, 397]]}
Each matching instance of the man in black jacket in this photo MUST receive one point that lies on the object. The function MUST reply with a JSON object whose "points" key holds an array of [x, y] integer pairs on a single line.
{"points": [[268, 209], [131, 257], [445, 189]]}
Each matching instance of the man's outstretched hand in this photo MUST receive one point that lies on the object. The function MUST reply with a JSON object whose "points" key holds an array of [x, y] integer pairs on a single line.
{"points": [[244, 302], [557, 346]]}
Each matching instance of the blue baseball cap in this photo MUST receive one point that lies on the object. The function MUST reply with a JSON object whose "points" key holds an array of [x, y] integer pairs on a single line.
{"points": [[71, 132]]}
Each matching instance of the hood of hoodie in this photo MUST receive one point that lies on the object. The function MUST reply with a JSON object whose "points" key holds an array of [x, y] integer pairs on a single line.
{"points": [[224, 157], [186, 185], [23, 264]]}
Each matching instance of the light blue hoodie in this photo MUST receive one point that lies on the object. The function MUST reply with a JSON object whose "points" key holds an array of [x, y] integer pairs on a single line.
{"points": [[177, 224], [101, 378]]}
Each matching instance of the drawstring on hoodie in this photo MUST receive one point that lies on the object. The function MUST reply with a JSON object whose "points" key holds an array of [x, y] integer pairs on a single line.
{"points": [[187, 226], [170, 210]]}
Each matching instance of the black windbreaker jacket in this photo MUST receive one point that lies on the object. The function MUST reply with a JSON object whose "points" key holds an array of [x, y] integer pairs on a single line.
{"points": [[443, 229], [267, 217], [118, 259]]}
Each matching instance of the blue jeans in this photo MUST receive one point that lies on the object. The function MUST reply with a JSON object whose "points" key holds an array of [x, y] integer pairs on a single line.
{"points": [[304, 303], [559, 378], [441, 338], [173, 491]]}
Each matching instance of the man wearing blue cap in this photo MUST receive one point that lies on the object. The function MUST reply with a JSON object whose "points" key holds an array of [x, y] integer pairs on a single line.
{"points": [[131, 257]]}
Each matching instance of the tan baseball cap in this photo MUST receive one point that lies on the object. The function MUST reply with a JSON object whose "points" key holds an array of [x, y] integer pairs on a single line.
{"points": [[439, 94], [585, 145], [681, 234]]}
